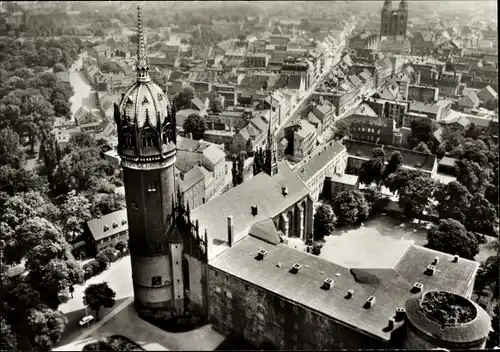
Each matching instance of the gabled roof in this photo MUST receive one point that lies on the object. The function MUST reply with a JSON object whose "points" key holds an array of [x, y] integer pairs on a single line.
{"points": [[115, 222], [263, 191], [318, 161], [487, 93], [266, 231], [191, 178], [213, 154]]}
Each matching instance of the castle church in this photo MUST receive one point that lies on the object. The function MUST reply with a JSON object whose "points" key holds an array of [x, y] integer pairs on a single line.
{"points": [[229, 259]]}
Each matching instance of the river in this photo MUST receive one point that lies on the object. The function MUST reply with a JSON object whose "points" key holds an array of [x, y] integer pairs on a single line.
{"points": [[84, 93]]}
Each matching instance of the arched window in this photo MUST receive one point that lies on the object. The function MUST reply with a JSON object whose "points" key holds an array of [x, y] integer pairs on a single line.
{"points": [[185, 273]]}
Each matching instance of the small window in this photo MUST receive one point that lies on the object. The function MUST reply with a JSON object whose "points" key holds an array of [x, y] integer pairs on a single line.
{"points": [[178, 281], [156, 280], [155, 247], [179, 296], [218, 289], [134, 205], [145, 101], [247, 287], [151, 186], [176, 263], [228, 294]]}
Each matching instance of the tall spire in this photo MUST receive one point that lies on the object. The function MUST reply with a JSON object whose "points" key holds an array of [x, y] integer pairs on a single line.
{"points": [[271, 163], [142, 67]]}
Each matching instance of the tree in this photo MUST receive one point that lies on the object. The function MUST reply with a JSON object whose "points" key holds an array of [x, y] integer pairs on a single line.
{"points": [[482, 216], [422, 148], [315, 248], [11, 153], [80, 141], [324, 221], [450, 236], [394, 164], [371, 171], [97, 296], [45, 327], [8, 341], [121, 246], [494, 336], [75, 213], [58, 68], [471, 175], [378, 153], [184, 97], [342, 128], [99, 32], [105, 203], [422, 130], [454, 202], [415, 199], [195, 124], [13, 181], [350, 207], [216, 106], [258, 161]]}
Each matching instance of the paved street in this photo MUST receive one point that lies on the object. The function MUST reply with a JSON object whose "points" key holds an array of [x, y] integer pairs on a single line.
{"points": [[84, 93], [119, 278]]}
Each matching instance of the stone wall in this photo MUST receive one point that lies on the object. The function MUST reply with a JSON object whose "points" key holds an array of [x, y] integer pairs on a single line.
{"points": [[261, 317]]}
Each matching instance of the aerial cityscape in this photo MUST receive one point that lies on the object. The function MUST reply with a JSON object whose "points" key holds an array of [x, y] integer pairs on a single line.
{"points": [[286, 175]]}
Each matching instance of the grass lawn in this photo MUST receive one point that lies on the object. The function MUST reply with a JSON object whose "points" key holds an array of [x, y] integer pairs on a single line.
{"points": [[361, 246]]}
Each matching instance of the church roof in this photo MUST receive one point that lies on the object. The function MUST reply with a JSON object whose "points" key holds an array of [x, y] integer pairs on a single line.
{"points": [[263, 191], [266, 231], [390, 286]]}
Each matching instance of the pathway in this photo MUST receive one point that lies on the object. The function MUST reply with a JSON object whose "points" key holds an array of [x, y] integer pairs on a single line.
{"points": [[84, 92]]}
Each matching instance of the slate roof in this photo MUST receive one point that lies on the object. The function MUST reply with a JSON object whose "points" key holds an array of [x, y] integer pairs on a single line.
{"points": [[487, 93], [344, 179], [318, 161], [418, 106], [191, 178], [391, 287], [266, 231], [262, 191], [213, 154], [96, 226], [469, 100]]}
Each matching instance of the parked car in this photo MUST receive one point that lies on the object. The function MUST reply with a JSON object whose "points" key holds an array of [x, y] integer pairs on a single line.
{"points": [[86, 320]]}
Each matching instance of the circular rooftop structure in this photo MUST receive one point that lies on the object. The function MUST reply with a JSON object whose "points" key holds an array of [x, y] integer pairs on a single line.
{"points": [[445, 319], [143, 101]]}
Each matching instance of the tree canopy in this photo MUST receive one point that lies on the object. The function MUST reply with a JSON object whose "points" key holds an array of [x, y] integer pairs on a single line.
{"points": [[324, 221], [195, 124], [422, 130], [184, 97], [97, 296], [451, 237], [350, 207]]}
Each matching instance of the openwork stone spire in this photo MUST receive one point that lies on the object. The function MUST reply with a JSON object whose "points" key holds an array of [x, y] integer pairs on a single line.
{"points": [[142, 64], [271, 161]]}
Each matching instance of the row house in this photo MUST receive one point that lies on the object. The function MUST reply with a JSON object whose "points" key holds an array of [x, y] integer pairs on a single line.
{"points": [[192, 187], [313, 170], [423, 94], [253, 136], [257, 60], [299, 67], [321, 115], [468, 101], [191, 153], [365, 40], [106, 231], [435, 111], [302, 138]]}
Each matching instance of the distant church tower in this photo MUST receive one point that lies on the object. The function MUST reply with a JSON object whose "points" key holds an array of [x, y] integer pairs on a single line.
{"points": [[270, 166], [145, 122], [394, 22]]}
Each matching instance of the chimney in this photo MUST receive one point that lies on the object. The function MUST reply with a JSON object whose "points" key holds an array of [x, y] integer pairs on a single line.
{"points": [[230, 230], [261, 254], [391, 324], [254, 210], [417, 287], [284, 190], [370, 302], [400, 314], [431, 269], [295, 268], [455, 258], [350, 293], [328, 283], [190, 135]]}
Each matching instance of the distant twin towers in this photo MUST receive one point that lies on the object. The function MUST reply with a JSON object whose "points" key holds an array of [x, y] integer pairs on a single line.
{"points": [[394, 22]]}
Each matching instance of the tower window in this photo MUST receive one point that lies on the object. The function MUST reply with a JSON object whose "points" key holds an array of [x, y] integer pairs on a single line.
{"points": [[151, 186], [156, 281], [155, 247], [145, 101]]}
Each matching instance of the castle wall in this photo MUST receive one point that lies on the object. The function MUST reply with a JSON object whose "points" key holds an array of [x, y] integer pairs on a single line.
{"points": [[239, 307]]}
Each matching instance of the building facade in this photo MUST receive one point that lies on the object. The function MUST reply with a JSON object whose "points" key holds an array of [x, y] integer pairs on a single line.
{"points": [[394, 22]]}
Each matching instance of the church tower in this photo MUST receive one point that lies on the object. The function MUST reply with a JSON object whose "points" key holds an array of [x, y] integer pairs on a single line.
{"points": [[271, 161], [385, 19], [145, 122], [402, 18]]}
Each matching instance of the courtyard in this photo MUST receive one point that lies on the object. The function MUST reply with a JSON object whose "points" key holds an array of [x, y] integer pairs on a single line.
{"points": [[361, 246]]}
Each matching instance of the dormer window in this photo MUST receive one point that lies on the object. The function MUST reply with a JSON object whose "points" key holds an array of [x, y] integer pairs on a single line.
{"points": [[160, 97], [145, 101], [106, 228], [129, 100], [151, 186], [115, 225]]}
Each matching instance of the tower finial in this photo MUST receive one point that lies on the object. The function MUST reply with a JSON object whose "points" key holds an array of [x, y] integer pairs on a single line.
{"points": [[142, 64]]}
